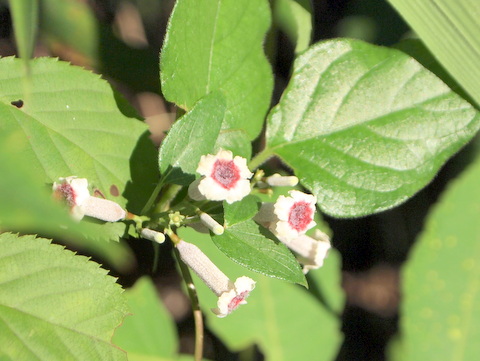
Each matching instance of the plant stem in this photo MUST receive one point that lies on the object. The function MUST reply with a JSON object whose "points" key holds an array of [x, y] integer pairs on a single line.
{"points": [[197, 313], [152, 198], [169, 193], [260, 158]]}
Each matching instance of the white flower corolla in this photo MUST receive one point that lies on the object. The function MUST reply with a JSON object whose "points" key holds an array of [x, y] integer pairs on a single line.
{"points": [[311, 251], [74, 191], [229, 301], [223, 178], [230, 294], [290, 217]]}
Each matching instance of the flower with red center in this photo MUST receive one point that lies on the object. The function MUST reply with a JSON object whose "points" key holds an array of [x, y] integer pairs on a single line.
{"points": [[290, 216], [223, 178], [74, 191], [230, 294]]}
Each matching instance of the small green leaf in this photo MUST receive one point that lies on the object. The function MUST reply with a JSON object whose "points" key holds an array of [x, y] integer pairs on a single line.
{"points": [[294, 17], [55, 305], [149, 333], [441, 308], [284, 320], [241, 211], [245, 244], [365, 127], [190, 137], [217, 45], [450, 30], [74, 126]]}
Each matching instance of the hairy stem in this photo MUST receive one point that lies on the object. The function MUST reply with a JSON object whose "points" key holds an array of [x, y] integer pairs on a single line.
{"points": [[260, 158]]}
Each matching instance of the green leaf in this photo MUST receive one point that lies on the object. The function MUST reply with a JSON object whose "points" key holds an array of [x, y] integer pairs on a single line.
{"points": [[450, 30], [441, 307], [26, 205], [55, 305], [284, 320], [149, 333], [417, 49], [190, 137], [326, 282], [235, 140], [241, 211], [73, 124], [364, 127], [294, 17], [246, 245], [25, 22], [217, 45]]}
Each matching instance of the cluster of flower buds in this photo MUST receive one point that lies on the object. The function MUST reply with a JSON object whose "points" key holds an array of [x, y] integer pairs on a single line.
{"points": [[74, 191]]}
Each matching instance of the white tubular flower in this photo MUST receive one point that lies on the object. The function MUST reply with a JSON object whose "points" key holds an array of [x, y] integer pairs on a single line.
{"points": [[75, 192], [223, 178], [211, 224], [277, 180], [230, 295], [103, 209], [152, 235], [311, 251], [289, 217]]}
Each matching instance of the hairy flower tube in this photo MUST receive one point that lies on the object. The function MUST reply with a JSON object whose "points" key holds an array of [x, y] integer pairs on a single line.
{"points": [[223, 178], [211, 224], [311, 251], [152, 235], [277, 180], [230, 294], [74, 191], [290, 217]]}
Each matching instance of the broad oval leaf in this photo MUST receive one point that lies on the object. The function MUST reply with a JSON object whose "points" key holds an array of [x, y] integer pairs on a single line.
{"points": [[55, 305], [441, 308], [245, 244], [286, 321], [190, 137], [72, 121], [366, 127], [217, 45]]}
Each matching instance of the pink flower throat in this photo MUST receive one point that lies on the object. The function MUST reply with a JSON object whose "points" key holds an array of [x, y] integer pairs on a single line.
{"points": [[237, 300], [225, 173], [301, 214], [66, 192]]}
